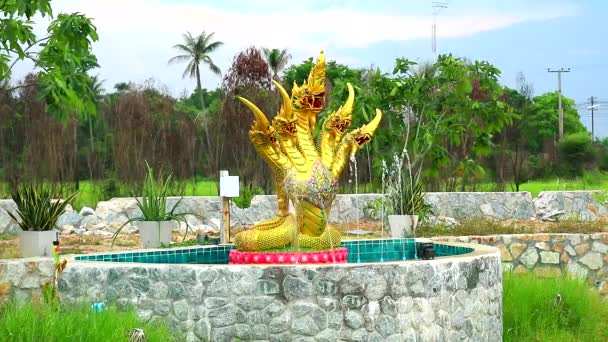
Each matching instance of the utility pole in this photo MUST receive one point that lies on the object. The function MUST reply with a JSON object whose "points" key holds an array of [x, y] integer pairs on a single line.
{"points": [[437, 7], [592, 124], [559, 99], [592, 106]]}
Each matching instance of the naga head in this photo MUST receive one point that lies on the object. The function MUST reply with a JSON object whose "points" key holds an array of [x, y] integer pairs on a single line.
{"points": [[285, 121], [363, 135], [261, 131], [339, 121], [310, 96]]}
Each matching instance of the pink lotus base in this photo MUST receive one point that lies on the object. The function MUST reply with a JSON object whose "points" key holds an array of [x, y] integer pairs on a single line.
{"points": [[337, 256]]}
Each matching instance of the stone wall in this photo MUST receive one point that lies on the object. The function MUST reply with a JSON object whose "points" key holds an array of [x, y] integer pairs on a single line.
{"points": [[448, 208], [578, 205], [580, 255], [495, 205], [450, 299]]}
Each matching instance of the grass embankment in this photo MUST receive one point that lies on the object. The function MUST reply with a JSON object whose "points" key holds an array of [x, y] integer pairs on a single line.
{"points": [[43, 323], [589, 181], [490, 227], [552, 309]]}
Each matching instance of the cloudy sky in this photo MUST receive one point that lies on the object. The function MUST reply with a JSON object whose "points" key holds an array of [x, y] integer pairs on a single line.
{"points": [[136, 37]]}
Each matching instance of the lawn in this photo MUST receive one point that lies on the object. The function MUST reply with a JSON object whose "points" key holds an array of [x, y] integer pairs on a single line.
{"points": [[68, 323], [92, 192], [552, 309]]}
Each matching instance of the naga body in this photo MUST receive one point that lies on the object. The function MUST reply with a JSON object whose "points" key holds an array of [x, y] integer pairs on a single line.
{"points": [[306, 176]]}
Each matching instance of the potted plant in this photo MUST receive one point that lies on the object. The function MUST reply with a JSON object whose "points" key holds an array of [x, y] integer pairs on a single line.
{"points": [[156, 222], [403, 199], [405, 209], [37, 215]]}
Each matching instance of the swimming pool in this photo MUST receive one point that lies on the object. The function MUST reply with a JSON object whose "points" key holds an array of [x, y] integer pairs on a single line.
{"points": [[359, 251]]}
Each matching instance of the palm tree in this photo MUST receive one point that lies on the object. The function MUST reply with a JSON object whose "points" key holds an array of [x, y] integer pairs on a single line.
{"points": [[97, 91], [277, 60], [196, 50]]}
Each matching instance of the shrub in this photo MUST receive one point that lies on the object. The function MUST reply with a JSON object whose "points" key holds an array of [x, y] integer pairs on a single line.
{"points": [[576, 153]]}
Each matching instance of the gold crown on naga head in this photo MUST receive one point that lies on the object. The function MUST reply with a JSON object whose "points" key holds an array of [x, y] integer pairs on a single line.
{"points": [[311, 94]]}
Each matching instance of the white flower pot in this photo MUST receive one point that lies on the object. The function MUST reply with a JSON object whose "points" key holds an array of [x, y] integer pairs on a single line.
{"points": [[155, 233], [37, 243], [402, 225]]}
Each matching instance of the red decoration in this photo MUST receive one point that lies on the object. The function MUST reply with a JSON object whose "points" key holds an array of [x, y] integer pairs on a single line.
{"points": [[338, 256]]}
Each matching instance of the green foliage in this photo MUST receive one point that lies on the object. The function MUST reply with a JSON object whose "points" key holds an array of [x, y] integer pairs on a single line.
{"points": [[64, 56], [601, 197], [246, 195], [576, 151], [69, 323], [542, 123], [37, 208], [153, 204], [334, 72], [552, 309]]}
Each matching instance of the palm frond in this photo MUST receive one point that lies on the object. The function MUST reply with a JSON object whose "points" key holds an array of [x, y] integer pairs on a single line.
{"points": [[180, 59], [214, 68], [211, 47], [187, 49], [190, 70]]}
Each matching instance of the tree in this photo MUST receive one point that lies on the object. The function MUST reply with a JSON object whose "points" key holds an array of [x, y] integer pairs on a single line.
{"points": [[277, 60], [454, 111], [96, 89], [64, 58], [249, 77], [542, 123], [197, 50]]}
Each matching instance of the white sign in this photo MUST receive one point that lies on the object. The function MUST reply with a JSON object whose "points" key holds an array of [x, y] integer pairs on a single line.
{"points": [[229, 186]]}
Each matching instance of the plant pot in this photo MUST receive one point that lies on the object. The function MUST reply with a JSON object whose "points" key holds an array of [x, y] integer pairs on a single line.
{"points": [[402, 225], [155, 233], [37, 243]]}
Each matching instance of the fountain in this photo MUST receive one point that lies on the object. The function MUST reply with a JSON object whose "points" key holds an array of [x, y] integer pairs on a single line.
{"points": [[291, 277]]}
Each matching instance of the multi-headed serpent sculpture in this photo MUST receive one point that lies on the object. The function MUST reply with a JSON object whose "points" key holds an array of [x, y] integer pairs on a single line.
{"points": [[304, 175]]}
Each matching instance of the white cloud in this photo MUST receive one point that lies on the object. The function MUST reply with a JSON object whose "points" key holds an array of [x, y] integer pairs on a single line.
{"points": [[136, 35]]}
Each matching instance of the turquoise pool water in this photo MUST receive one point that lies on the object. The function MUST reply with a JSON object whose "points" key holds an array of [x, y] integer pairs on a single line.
{"points": [[379, 250]]}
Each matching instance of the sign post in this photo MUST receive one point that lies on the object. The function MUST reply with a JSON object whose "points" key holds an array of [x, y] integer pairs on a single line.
{"points": [[229, 187]]}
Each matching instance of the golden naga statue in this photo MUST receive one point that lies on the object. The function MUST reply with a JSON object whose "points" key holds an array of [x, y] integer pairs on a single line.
{"points": [[304, 175]]}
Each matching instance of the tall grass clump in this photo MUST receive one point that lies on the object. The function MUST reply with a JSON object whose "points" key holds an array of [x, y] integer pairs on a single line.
{"points": [[43, 323], [552, 309]]}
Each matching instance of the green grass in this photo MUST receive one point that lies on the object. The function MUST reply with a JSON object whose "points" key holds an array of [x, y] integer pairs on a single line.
{"points": [[7, 236], [533, 312], [92, 192], [42, 323], [535, 187]]}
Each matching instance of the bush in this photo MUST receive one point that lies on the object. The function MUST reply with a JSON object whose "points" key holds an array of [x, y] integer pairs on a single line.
{"points": [[576, 154], [43, 323], [552, 309]]}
